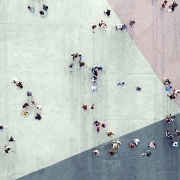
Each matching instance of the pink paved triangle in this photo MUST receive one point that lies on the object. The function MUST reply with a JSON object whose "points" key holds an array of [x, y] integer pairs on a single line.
{"points": [[156, 33]]}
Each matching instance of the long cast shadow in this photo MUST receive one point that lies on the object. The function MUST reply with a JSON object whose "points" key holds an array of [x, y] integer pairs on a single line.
{"points": [[127, 164]]}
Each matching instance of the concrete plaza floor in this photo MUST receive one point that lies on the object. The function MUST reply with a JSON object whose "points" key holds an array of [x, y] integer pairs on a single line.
{"points": [[37, 51]]}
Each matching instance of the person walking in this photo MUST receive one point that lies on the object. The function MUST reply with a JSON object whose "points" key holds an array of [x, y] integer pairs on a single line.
{"points": [[111, 153], [2, 127], [104, 124], [124, 27], [94, 88], [175, 144], [107, 12], [147, 153], [39, 107], [96, 152], [176, 92], [38, 116], [132, 145], [31, 9], [132, 23], [98, 129], [95, 72], [152, 144], [42, 13], [29, 94], [104, 25], [33, 102], [80, 57], [177, 132], [25, 113], [97, 123], [19, 84], [15, 80], [85, 106], [74, 56], [11, 139], [70, 67], [172, 96], [93, 27], [101, 22], [26, 105], [163, 4], [169, 135], [81, 64], [121, 83], [110, 133], [45, 7], [7, 149], [136, 141], [170, 118]]}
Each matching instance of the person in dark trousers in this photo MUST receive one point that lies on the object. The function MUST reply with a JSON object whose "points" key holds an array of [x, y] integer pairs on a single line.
{"points": [[11, 139], [81, 64], [164, 4], [19, 84], [42, 13], [147, 153], [93, 27], [121, 83], [29, 93], [96, 72], [26, 105], [45, 7], [111, 152], [132, 23], [101, 22], [2, 127], [38, 116], [177, 132], [31, 9], [7, 149], [97, 123], [169, 135], [98, 129], [123, 27], [110, 133], [85, 106], [70, 67], [92, 106], [74, 55], [172, 96], [107, 12], [80, 57]]}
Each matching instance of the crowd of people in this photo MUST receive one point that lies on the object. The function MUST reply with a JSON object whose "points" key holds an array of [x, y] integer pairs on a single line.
{"points": [[167, 83], [168, 87], [30, 105], [27, 107], [80, 62]]}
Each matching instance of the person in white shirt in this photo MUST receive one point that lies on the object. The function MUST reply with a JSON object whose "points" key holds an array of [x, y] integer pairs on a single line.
{"points": [[136, 141], [152, 145]]}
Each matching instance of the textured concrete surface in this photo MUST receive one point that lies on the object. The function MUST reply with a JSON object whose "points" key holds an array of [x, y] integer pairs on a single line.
{"points": [[37, 51], [163, 164]]}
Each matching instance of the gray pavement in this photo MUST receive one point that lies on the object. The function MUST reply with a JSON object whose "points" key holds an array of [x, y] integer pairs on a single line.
{"points": [[126, 164], [37, 51]]}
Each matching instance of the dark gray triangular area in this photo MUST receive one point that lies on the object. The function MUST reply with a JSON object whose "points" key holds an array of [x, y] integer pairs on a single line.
{"points": [[127, 164]]}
